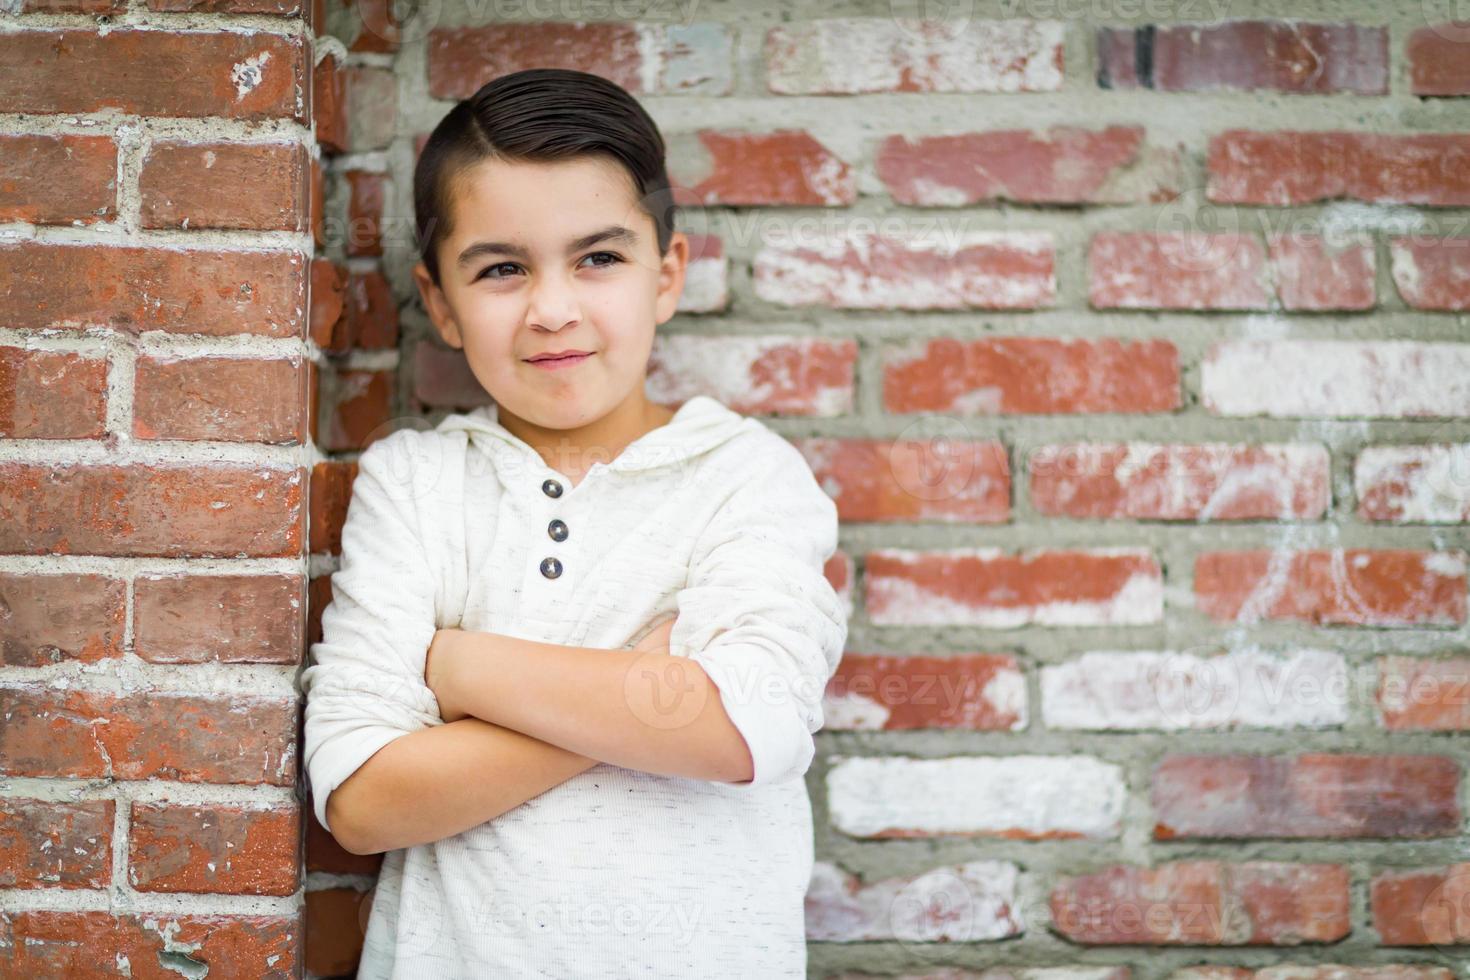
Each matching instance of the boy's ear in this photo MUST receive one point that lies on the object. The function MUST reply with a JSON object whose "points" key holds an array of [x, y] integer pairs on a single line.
{"points": [[672, 267], [437, 307]]}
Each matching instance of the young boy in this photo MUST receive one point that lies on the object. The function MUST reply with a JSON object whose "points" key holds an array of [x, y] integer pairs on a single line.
{"points": [[574, 660]]}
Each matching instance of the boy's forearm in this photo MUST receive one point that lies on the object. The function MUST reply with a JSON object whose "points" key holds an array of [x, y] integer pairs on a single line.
{"points": [[652, 712], [440, 781]]}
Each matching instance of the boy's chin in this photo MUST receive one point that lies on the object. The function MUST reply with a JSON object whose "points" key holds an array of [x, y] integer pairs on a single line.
{"points": [[564, 409]]}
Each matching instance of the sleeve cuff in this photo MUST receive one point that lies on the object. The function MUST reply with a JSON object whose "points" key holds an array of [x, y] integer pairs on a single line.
{"points": [[327, 772], [765, 713]]}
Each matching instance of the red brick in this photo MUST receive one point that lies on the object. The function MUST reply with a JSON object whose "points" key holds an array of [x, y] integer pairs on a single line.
{"points": [[986, 587], [1424, 693], [1310, 795], [980, 692], [378, 27], [1413, 484], [365, 213], [363, 404], [152, 734], [1062, 165], [1313, 275], [251, 186], [248, 76], [220, 511], [335, 926], [1437, 61], [755, 374], [1301, 167], [913, 480], [134, 289], [1249, 55], [1432, 274], [52, 395], [1207, 482], [316, 205], [1333, 587], [653, 56], [442, 379], [277, 8], [1177, 271], [371, 311], [848, 55], [786, 166], [1210, 903], [313, 399], [1032, 375], [329, 105], [153, 944], [47, 619], [233, 619], [55, 844], [214, 848], [94, 7], [331, 492], [328, 306], [460, 60], [319, 595], [1423, 906], [222, 399], [58, 180], [1117, 58], [984, 270], [1329, 971], [839, 572]]}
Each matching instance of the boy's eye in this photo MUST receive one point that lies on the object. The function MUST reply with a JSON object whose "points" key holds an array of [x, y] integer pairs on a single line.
{"points": [[486, 273], [489, 271]]}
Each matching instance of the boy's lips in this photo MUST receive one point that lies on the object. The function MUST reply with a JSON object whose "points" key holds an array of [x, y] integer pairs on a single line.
{"points": [[554, 363]]}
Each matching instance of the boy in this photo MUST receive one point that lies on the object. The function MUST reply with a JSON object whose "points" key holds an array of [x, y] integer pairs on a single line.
{"points": [[575, 654]]}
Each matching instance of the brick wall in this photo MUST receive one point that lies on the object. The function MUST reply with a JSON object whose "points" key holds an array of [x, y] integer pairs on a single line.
{"points": [[1129, 339], [160, 207]]}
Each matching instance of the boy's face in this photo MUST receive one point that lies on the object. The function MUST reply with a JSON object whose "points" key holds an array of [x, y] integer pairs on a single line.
{"points": [[516, 283]]}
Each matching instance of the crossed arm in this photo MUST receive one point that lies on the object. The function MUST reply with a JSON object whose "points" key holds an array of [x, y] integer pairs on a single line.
{"points": [[535, 714], [414, 734]]}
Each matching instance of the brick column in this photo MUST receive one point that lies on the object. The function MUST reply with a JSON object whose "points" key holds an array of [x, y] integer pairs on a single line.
{"points": [[160, 207]]}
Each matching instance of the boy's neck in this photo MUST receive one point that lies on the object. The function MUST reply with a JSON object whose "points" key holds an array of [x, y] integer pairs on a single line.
{"points": [[572, 452]]}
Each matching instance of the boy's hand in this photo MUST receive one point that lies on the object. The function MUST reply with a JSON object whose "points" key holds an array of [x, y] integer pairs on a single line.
{"points": [[436, 673]]}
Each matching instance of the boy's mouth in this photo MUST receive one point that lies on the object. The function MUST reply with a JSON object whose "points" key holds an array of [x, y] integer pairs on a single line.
{"points": [[552, 363]]}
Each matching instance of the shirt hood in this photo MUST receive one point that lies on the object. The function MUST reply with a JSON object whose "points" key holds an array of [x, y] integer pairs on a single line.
{"points": [[700, 424]]}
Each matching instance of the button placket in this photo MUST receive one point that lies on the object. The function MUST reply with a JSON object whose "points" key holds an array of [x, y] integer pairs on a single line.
{"points": [[551, 566]]}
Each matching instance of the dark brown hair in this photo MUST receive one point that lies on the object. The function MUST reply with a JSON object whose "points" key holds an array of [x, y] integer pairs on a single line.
{"points": [[540, 114]]}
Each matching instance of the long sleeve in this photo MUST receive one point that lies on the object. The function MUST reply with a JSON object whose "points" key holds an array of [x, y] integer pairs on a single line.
{"points": [[759, 616], [365, 686]]}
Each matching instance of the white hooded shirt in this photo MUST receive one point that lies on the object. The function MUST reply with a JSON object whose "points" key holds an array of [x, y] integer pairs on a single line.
{"points": [[615, 872]]}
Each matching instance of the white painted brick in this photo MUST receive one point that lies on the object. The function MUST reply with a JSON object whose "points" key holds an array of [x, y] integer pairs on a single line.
{"points": [[1033, 795], [1336, 378], [1175, 690]]}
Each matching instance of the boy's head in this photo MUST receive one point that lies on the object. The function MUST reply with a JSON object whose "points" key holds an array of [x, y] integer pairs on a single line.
{"points": [[545, 224]]}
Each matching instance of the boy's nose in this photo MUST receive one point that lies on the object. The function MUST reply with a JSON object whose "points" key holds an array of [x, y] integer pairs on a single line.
{"points": [[553, 303]]}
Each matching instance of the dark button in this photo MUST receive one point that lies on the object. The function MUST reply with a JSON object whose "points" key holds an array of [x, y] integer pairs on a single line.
{"points": [[557, 529], [550, 567], [551, 488]]}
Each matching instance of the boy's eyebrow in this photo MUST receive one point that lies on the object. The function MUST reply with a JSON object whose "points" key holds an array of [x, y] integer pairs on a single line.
{"points": [[612, 233]]}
